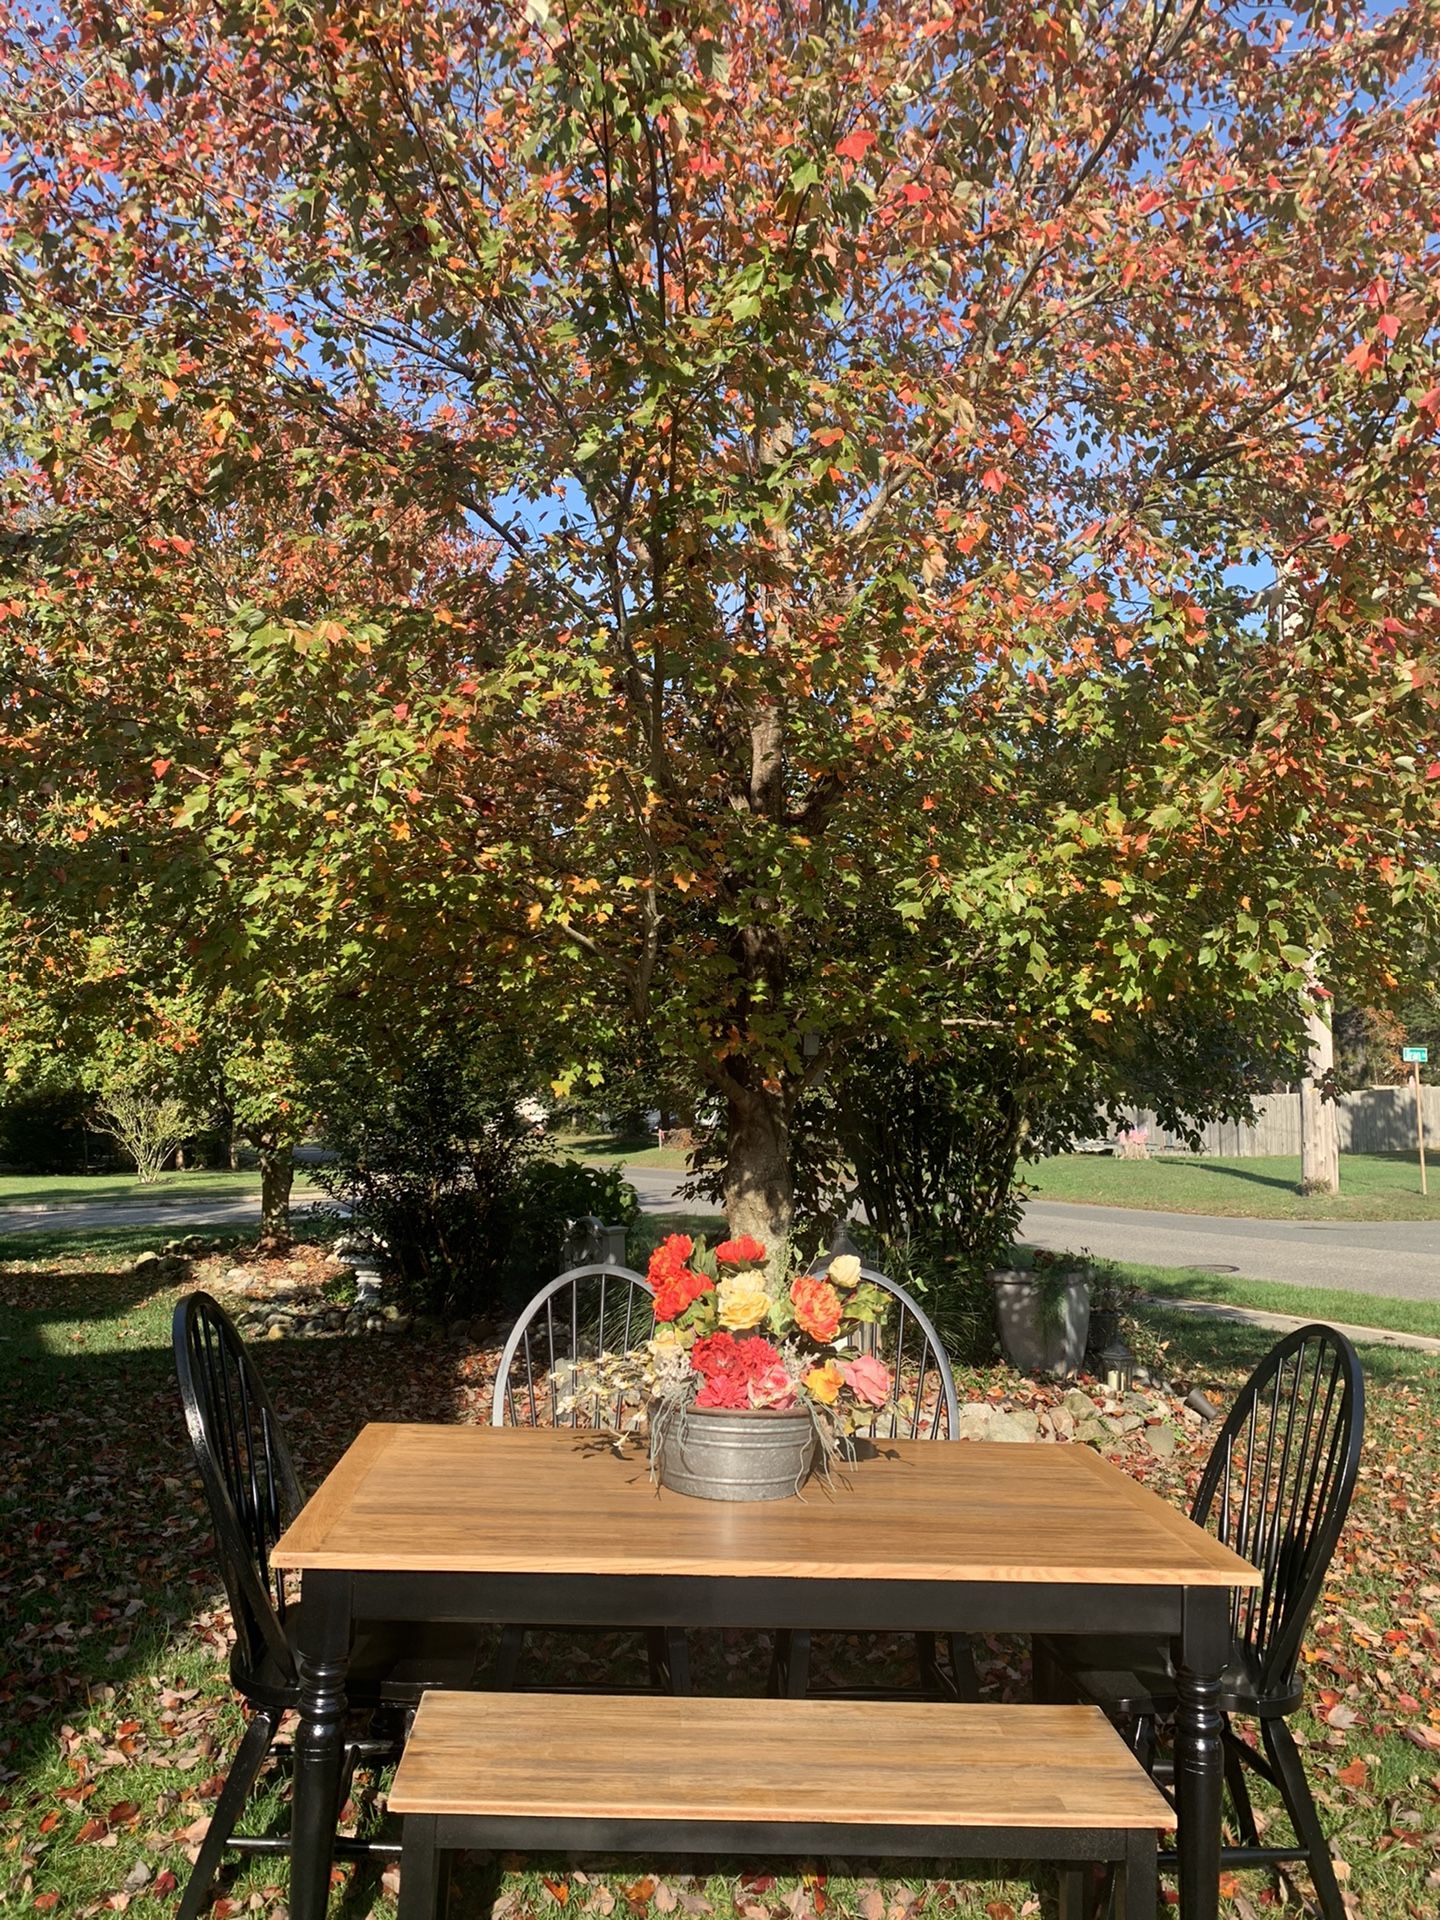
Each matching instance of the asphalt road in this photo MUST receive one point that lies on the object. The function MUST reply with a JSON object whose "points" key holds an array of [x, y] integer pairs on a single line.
{"points": [[1398, 1258]]}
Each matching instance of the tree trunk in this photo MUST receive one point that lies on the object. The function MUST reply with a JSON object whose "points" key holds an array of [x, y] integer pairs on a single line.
{"points": [[759, 1195], [277, 1173], [1319, 1120]]}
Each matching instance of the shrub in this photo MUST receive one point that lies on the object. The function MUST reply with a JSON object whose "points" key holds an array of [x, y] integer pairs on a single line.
{"points": [[140, 1106], [440, 1169], [548, 1196], [45, 1130], [428, 1162]]}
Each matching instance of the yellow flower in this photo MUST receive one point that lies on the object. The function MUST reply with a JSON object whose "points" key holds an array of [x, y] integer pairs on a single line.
{"points": [[824, 1383], [665, 1335], [845, 1270], [741, 1301]]}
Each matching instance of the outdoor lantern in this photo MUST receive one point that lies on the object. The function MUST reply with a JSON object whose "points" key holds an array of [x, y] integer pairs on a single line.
{"points": [[1117, 1364], [590, 1243]]}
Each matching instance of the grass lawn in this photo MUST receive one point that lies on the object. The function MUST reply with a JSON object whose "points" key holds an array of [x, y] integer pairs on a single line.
{"points": [[1373, 1186], [116, 1720], [618, 1150], [80, 1189], [1271, 1296]]}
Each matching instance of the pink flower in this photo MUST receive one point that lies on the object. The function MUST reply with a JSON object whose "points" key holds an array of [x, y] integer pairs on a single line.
{"points": [[772, 1388], [868, 1379]]}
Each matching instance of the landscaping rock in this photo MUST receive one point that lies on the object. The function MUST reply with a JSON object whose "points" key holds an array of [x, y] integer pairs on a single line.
{"points": [[143, 1261], [1008, 1427], [1161, 1441]]}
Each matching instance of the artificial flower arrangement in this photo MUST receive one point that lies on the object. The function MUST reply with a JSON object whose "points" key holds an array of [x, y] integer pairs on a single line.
{"points": [[740, 1330]]}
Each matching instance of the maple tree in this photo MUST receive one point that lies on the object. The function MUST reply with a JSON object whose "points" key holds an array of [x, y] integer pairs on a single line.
{"points": [[743, 520]]}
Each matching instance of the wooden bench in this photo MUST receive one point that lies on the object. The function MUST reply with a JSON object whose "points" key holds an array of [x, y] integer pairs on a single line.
{"points": [[558, 1772]]}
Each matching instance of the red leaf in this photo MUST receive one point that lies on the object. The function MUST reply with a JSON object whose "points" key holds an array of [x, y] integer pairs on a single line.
{"points": [[165, 1882], [92, 1830], [856, 145], [915, 193], [160, 768], [1388, 325], [828, 436], [993, 480], [47, 1902]]}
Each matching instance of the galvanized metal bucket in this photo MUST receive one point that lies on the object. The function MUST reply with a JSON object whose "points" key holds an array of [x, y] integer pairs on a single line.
{"points": [[714, 1453]]}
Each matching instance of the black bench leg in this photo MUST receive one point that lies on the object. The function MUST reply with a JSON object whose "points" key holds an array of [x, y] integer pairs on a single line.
{"points": [[1142, 1877], [1073, 1890], [424, 1871]]}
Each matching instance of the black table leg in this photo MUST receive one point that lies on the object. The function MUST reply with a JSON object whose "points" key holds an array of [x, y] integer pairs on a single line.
{"points": [[323, 1656], [1199, 1755]]}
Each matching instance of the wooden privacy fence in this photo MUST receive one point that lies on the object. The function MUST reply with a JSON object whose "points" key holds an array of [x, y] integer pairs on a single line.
{"points": [[1372, 1120]]}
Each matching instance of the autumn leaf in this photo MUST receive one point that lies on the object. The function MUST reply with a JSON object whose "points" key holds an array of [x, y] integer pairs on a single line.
{"points": [[856, 145]]}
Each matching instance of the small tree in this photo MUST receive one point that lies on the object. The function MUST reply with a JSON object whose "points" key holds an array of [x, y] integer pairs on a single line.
{"points": [[139, 1105]]}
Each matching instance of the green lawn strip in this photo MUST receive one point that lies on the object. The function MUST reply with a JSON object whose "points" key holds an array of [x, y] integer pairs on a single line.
{"points": [[116, 1718], [620, 1150], [123, 1189], [1373, 1186], [1275, 1296]]}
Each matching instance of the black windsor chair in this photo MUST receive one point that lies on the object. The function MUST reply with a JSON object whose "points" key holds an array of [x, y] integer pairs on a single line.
{"points": [[253, 1492], [586, 1312], [922, 1406], [1276, 1488]]}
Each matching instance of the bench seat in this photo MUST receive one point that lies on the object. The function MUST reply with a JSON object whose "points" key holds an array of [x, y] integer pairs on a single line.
{"points": [[561, 1772]]}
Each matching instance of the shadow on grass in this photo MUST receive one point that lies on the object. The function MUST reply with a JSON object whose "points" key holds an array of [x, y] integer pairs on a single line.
{"points": [[1280, 1182]]}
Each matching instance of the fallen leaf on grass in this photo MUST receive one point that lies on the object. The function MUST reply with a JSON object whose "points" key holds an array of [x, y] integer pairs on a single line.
{"points": [[1355, 1775]]}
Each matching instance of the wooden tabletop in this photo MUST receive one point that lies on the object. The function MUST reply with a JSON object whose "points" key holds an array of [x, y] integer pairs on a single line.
{"points": [[827, 1762], [519, 1500]]}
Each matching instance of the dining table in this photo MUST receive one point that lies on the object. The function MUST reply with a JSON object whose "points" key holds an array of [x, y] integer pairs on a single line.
{"points": [[555, 1527]]}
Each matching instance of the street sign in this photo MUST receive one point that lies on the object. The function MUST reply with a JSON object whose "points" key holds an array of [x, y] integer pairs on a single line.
{"points": [[1419, 1054]]}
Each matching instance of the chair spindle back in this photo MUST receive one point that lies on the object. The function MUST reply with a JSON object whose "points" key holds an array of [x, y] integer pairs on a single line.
{"points": [[586, 1312], [1278, 1485], [246, 1470], [923, 1403]]}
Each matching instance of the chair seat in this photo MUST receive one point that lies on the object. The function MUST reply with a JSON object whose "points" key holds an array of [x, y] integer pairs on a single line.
{"points": [[1129, 1674], [392, 1663]]}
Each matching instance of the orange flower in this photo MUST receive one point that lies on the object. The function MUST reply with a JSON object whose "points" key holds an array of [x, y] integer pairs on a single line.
{"points": [[744, 1252], [824, 1383], [817, 1306]]}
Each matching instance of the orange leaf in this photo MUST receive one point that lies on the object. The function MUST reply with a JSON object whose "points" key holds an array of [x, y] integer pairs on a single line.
{"points": [[1355, 1775], [857, 144]]}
